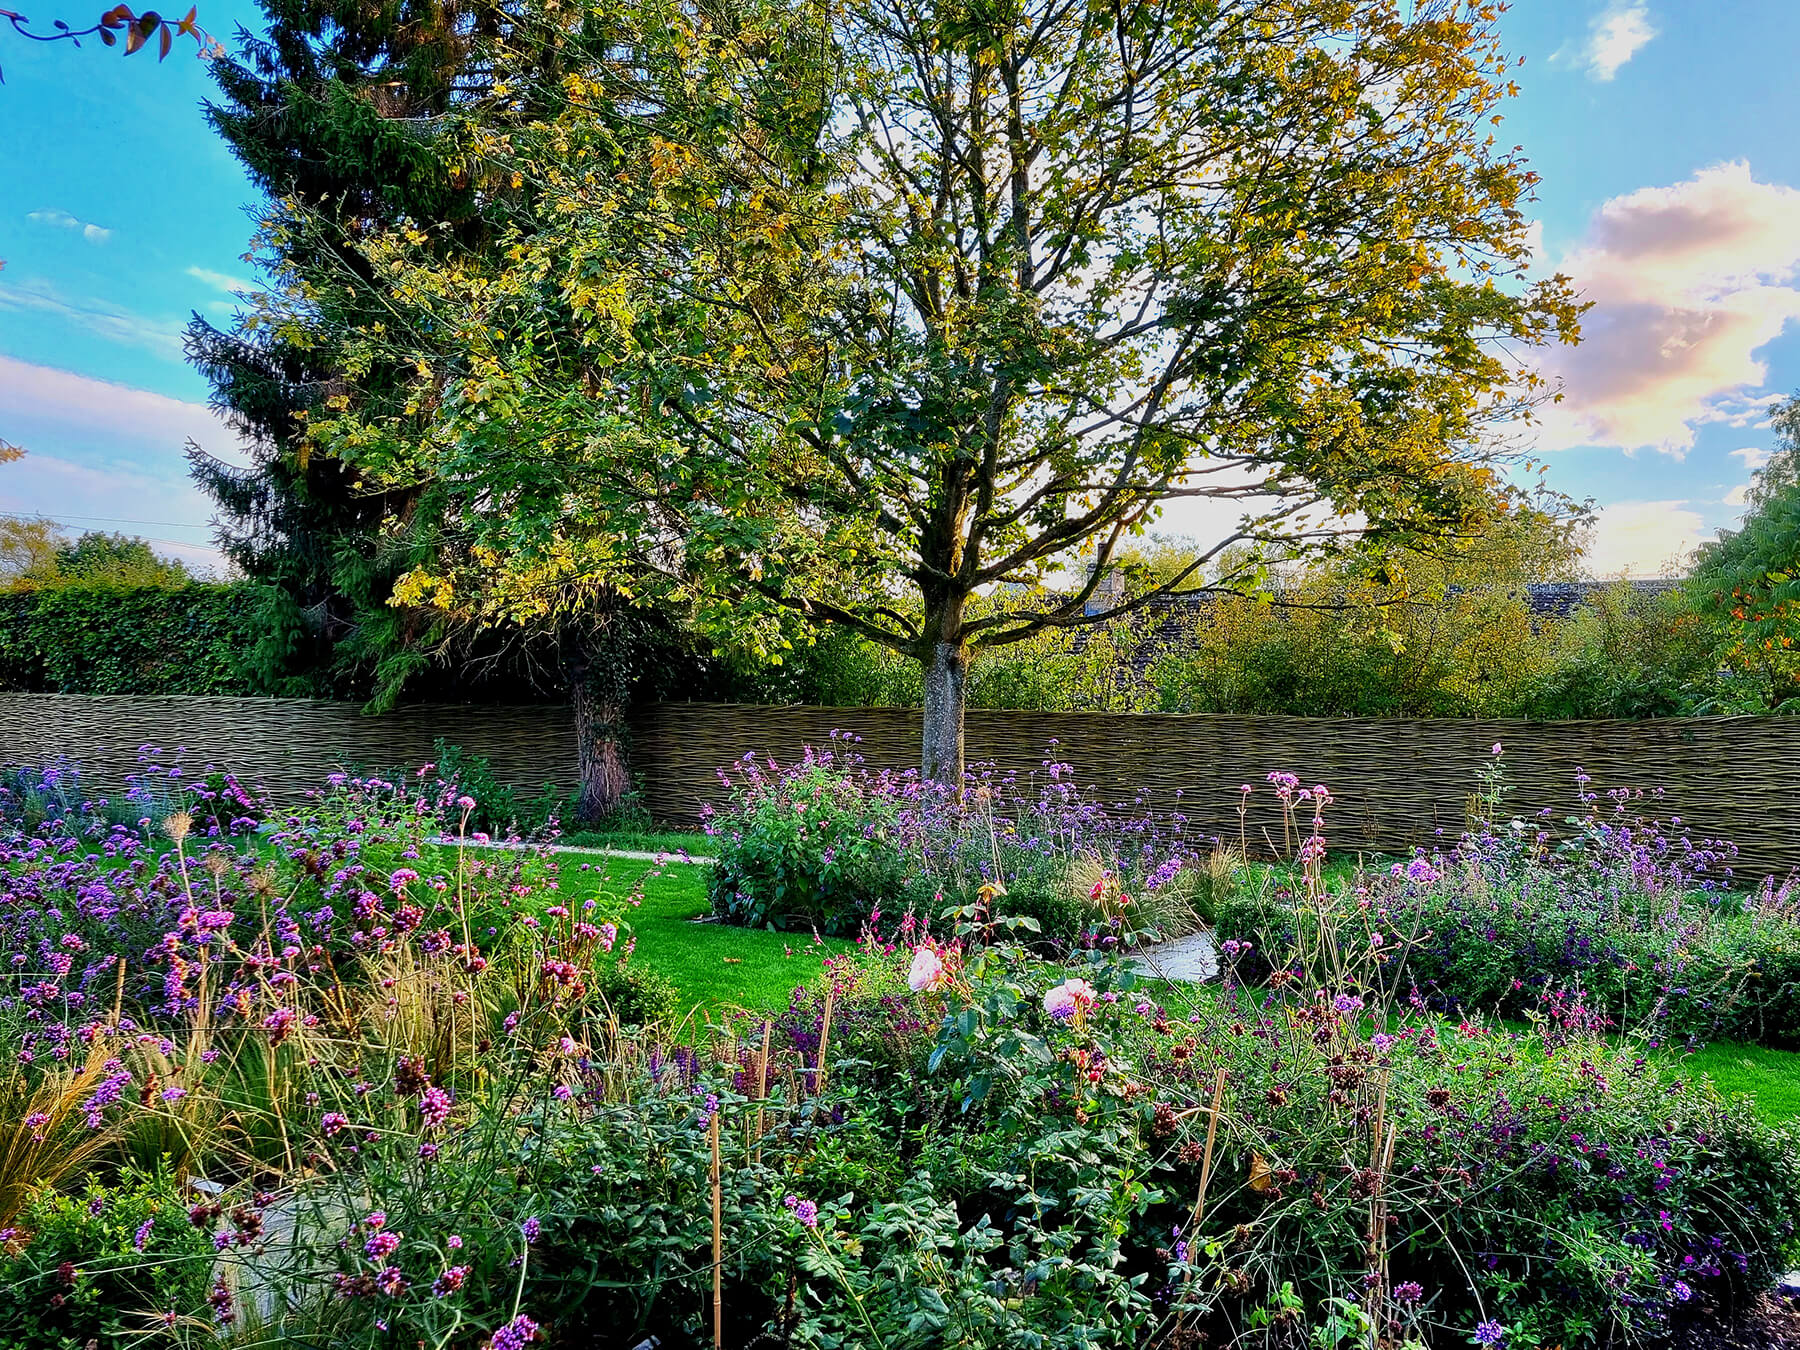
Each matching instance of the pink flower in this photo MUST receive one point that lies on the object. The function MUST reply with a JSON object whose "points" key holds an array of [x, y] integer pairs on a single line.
{"points": [[1068, 998], [928, 972]]}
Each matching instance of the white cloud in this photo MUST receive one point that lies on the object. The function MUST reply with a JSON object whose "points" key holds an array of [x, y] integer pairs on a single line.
{"points": [[1738, 496], [1616, 35], [1688, 283], [1643, 539], [107, 456], [44, 395], [221, 281], [1754, 457], [101, 317], [50, 215]]}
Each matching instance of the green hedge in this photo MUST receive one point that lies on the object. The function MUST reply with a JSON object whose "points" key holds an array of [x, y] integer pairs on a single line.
{"points": [[104, 639]]}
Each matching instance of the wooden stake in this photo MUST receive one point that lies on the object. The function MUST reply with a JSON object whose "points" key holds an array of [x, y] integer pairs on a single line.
{"points": [[824, 1040], [762, 1087], [1212, 1130], [718, 1236]]}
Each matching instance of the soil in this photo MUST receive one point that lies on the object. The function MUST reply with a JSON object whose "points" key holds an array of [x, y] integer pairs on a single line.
{"points": [[1773, 1324]]}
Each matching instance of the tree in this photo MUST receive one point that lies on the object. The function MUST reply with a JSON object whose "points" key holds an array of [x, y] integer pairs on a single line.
{"points": [[117, 560], [339, 115], [28, 546], [325, 111], [807, 307], [1749, 578]]}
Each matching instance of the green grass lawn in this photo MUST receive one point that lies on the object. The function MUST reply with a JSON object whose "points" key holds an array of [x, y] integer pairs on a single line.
{"points": [[712, 966], [643, 841], [1771, 1077]]}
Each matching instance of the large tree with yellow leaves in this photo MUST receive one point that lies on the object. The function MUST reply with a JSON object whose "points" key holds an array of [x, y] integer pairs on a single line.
{"points": [[862, 309]]}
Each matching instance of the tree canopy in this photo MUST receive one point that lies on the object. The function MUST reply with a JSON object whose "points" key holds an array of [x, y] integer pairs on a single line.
{"points": [[1749, 578], [807, 306]]}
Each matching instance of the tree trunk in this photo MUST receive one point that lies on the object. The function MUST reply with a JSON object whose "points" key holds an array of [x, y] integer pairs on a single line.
{"points": [[946, 679], [599, 751]]}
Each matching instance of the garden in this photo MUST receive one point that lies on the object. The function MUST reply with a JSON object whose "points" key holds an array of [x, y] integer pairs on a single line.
{"points": [[605, 356], [895, 1069]]}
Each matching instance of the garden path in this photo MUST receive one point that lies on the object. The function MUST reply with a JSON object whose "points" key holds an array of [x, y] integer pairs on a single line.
{"points": [[1190, 958], [634, 854]]}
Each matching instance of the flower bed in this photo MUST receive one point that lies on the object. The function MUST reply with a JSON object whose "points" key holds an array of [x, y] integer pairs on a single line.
{"points": [[423, 1118], [828, 844], [1627, 914]]}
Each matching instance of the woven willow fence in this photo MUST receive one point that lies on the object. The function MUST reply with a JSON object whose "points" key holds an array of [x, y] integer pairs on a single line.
{"points": [[1397, 782], [285, 744]]}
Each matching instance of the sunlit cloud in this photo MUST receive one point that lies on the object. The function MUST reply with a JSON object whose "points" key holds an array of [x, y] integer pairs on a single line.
{"points": [[1688, 283], [1643, 539], [221, 281], [1754, 457], [107, 456], [1616, 35]]}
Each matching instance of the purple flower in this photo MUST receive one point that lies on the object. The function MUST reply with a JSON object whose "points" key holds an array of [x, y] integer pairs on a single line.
{"points": [[1489, 1333], [1409, 1292], [139, 1238], [806, 1213], [380, 1246], [515, 1335], [434, 1107], [530, 1228], [451, 1280], [333, 1121], [1681, 1291]]}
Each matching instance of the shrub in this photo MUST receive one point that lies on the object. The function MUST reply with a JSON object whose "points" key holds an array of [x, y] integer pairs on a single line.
{"points": [[104, 1266], [500, 810], [107, 638], [828, 844], [1632, 914], [810, 848]]}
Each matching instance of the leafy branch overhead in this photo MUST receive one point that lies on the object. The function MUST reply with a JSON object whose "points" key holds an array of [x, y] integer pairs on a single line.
{"points": [[122, 23]]}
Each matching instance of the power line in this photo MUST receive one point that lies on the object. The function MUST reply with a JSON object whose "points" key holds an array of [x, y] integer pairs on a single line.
{"points": [[124, 520]]}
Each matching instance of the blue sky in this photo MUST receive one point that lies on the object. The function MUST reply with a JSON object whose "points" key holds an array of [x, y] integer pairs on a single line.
{"points": [[1664, 131]]}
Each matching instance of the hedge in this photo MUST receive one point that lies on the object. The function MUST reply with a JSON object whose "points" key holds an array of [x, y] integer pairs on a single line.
{"points": [[103, 639]]}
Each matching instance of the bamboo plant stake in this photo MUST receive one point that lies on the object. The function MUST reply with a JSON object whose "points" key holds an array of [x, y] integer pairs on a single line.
{"points": [[718, 1237], [824, 1040], [762, 1087], [1212, 1130]]}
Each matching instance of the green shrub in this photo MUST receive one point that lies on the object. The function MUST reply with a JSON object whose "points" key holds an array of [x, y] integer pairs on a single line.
{"points": [[102, 1266], [808, 850], [501, 811], [636, 995], [103, 638]]}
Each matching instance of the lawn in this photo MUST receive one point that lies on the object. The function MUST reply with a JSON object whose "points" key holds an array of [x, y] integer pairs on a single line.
{"points": [[712, 966]]}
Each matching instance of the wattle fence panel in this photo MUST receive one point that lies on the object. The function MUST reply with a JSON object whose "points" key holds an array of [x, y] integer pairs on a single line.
{"points": [[286, 744], [1398, 782]]}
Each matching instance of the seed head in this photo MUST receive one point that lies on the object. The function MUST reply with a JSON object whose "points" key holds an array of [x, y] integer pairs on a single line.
{"points": [[178, 825]]}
